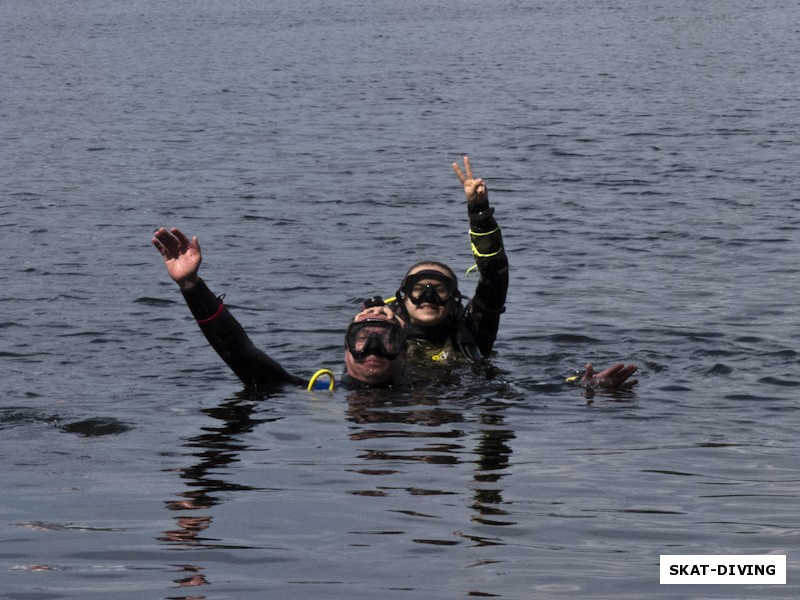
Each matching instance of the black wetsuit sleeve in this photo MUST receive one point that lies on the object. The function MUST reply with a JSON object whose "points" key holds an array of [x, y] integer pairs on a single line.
{"points": [[231, 342], [482, 315]]}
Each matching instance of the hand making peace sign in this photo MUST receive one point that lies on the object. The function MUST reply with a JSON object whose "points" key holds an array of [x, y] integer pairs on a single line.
{"points": [[474, 189]]}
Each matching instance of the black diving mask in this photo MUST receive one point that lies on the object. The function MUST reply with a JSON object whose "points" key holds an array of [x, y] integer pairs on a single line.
{"points": [[429, 287], [375, 337]]}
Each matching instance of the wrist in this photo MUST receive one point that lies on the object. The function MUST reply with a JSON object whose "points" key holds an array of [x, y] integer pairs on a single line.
{"points": [[482, 221], [478, 207], [188, 283]]}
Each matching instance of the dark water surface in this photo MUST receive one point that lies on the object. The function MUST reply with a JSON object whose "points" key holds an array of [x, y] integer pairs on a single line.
{"points": [[642, 157]]}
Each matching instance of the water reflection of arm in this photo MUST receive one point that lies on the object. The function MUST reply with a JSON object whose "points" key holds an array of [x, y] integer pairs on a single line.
{"points": [[488, 302], [182, 259]]}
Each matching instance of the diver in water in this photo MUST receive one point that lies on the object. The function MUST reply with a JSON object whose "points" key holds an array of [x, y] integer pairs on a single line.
{"points": [[443, 325], [440, 324], [437, 321], [375, 344]]}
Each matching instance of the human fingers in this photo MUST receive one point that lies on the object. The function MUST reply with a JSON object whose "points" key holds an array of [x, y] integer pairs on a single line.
{"points": [[166, 237], [165, 241], [623, 385], [620, 374], [468, 168], [608, 378], [376, 311], [621, 378], [625, 372], [461, 177], [612, 371], [160, 247], [477, 187], [183, 241]]}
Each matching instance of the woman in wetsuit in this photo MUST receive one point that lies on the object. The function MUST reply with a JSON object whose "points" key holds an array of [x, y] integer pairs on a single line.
{"points": [[440, 324]]}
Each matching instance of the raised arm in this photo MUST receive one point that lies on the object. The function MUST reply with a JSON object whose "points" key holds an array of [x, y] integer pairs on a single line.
{"points": [[488, 302], [182, 258]]}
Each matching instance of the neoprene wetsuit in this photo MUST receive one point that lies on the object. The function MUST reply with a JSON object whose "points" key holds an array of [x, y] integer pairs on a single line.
{"points": [[231, 342]]}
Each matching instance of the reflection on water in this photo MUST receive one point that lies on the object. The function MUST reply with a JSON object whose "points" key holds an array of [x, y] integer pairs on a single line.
{"points": [[493, 456], [436, 443], [194, 577], [388, 431], [215, 449]]}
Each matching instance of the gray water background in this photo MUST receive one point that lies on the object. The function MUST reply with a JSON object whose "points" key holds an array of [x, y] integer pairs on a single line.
{"points": [[642, 158]]}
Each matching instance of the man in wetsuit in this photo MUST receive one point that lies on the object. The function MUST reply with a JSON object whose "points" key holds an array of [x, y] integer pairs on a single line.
{"points": [[375, 344]]}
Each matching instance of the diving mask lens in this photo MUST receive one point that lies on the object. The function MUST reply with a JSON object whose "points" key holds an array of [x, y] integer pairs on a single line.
{"points": [[375, 337], [430, 287]]}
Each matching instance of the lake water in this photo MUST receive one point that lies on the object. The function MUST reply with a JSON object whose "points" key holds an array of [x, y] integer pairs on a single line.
{"points": [[642, 158]]}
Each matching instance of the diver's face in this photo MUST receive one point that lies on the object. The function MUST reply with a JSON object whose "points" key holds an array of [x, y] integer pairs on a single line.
{"points": [[375, 347], [430, 311], [372, 369]]}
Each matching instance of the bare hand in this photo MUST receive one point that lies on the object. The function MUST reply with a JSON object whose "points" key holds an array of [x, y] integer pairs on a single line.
{"points": [[380, 312], [613, 378], [181, 257], [474, 189]]}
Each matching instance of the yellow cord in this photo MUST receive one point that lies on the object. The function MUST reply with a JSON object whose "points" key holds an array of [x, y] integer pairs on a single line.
{"points": [[493, 231], [321, 373], [477, 254]]}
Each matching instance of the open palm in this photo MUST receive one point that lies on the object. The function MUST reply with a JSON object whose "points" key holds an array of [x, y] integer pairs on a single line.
{"points": [[181, 256]]}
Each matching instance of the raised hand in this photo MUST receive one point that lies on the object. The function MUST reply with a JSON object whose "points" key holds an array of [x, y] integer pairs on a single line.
{"points": [[181, 256], [474, 189]]}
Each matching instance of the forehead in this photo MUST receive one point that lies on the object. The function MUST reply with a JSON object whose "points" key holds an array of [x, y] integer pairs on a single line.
{"points": [[429, 269], [428, 277]]}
